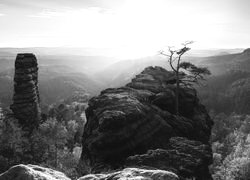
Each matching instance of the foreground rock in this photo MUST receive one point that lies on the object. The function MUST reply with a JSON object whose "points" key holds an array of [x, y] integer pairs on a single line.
{"points": [[32, 172], [184, 157], [26, 96], [138, 117], [132, 174]]}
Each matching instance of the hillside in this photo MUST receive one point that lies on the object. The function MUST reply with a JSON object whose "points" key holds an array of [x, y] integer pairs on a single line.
{"points": [[122, 72], [227, 90], [55, 83]]}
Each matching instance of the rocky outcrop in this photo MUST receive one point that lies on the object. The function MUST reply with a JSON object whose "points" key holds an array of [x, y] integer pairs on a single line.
{"points": [[26, 96], [132, 174], [246, 51], [128, 121], [32, 172], [184, 157]]}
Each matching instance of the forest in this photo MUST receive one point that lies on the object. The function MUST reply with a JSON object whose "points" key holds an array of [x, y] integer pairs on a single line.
{"points": [[57, 142], [124, 90]]}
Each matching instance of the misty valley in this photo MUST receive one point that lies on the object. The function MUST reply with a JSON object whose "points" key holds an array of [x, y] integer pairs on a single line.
{"points": [[124, 90], [67, 116]]}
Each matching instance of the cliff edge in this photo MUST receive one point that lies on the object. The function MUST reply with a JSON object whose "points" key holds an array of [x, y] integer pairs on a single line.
{"points": [[135, 126]]}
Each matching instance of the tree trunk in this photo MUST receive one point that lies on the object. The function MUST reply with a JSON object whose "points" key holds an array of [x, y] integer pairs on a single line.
{"points": [[177, 94]]}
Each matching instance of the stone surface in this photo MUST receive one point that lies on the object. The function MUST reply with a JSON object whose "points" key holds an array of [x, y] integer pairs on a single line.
{"points": [[26, 96], [133, 174], [185, 157], [246, 51], [32, 172], [138, 117]]}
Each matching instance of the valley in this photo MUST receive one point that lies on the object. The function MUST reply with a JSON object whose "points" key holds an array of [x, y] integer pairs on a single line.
{"points": [[72, 95]]}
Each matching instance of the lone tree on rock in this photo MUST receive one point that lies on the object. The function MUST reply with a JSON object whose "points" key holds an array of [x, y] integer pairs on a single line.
{"points": [[186, 73]]}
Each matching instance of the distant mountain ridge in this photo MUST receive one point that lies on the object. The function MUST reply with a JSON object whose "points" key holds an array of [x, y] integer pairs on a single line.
{"points": [[69, 73], [121, 72], [101, 51], [223, 63], [55, 83]]}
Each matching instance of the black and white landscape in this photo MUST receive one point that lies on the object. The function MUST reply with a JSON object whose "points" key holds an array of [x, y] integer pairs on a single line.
{"points": [[124, 89]]}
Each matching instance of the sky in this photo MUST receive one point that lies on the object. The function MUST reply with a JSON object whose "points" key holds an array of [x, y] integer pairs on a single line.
{"points": [[132, 27]]}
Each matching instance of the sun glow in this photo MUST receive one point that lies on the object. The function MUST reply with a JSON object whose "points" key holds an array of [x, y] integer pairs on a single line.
{"points": [[135, 28]]}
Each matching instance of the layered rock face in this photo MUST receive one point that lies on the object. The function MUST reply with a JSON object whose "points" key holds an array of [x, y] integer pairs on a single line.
{"points": [[32, 172], [132, 174], [26, 96], [184, 157], [123, 124]]}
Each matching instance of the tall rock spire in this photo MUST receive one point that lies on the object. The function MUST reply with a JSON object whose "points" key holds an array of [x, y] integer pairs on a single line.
{"points": [[26, 95]]}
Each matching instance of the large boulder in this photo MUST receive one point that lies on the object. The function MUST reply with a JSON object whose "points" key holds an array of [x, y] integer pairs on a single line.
{"points": [[132, 174], [184, 157], [32, 172], [138, 117], [26, 96]]}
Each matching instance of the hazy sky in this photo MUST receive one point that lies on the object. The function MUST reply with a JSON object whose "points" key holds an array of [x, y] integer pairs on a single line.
{"points": [[138, 25]]}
